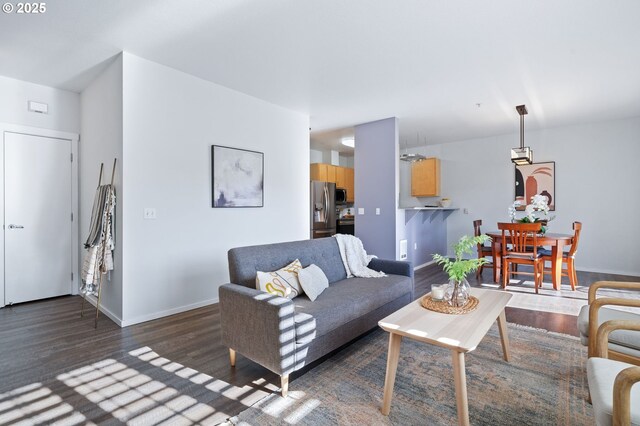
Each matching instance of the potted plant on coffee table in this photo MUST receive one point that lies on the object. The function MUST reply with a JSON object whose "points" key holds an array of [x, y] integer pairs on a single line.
{"points": [[457, 293]]}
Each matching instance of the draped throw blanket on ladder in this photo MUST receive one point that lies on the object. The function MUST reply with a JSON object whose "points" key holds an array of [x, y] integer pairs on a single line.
{"points": [[100, 243]]}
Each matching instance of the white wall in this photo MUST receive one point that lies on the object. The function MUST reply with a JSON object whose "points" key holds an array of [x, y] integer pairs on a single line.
{"points": [[64, 106], [596, 177], [319, 156], [101, 142], [316, 156], [171, 119]]}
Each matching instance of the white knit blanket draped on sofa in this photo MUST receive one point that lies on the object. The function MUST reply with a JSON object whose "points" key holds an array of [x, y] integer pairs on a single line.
{"points": [[355, 258]]}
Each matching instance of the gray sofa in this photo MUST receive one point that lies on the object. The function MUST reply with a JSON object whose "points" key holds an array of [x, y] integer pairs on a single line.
{"points": [[284, 335]]}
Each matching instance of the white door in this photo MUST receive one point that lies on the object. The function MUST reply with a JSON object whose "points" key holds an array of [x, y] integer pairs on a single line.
{"points": [[38, 227]]}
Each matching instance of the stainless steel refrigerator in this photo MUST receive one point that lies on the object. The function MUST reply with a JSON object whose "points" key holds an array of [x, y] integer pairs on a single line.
{"points": [[323, 209]]}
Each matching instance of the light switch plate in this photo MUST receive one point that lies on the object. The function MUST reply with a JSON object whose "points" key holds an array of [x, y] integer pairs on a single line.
{"points": [[378, 211], [360, 210], [149, 213]]}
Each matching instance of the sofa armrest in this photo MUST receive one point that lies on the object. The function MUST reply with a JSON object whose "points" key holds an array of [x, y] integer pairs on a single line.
{"points": [[395, 267], [259, 326]]}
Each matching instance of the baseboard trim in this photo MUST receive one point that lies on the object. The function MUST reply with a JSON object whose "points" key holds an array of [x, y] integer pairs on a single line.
{"points": [[94, 301], [166, 313], [609, 271], [424, 265]]}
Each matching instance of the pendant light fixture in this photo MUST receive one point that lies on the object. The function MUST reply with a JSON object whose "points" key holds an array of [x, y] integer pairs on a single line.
{"points": [[523, 155]]}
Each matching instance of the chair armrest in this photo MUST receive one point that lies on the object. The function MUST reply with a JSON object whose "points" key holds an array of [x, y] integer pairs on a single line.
{"points": [[622, 395], [602, 335], [395, 267], [593, 288], [259, 326], [593, 317]]}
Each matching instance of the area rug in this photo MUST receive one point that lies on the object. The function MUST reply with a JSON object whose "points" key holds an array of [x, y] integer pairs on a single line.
{"points": [[544, 384], [137, 387]]}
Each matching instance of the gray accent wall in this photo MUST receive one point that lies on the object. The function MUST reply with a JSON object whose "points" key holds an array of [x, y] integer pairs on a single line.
{"points": [[426, 234], [376, 186]]}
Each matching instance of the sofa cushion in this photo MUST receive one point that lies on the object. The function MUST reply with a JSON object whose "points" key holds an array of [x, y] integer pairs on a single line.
{"points": [[627, 338], [601, 373], [244, 262], [313, 281], [284, 282], [351, 298]]}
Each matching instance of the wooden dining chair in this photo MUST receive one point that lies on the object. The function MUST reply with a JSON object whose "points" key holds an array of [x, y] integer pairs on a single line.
{"points": [[568, 258], [520, 247], [483, 251]]}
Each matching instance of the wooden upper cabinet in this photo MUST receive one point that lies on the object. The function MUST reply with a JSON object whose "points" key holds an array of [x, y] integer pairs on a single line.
{"points": [[349, 185], [425, 178], [331, 173], [319, 172], [340, 177]]}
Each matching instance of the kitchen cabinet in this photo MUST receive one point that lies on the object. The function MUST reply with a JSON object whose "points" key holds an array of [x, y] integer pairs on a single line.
{"points": [[341, 176], [349, 185], [319, 172], [425, 178]]}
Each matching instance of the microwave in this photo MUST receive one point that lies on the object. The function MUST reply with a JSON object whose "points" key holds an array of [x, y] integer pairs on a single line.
{"points": [[341, 196]]}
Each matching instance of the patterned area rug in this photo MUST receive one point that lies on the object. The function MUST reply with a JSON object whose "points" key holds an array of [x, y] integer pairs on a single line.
{"points": [[544, 384]]}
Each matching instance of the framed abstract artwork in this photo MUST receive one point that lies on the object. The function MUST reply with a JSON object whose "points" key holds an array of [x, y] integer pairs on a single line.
{"points": [[536, 178], [237, 177]]}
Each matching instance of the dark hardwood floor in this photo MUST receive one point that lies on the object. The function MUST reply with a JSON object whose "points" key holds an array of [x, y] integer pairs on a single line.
{"points": [[40, 340]]}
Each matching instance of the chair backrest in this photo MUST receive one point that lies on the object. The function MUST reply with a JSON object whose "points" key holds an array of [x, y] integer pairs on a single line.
{"points": [[476, 233], [476, 227], [518, 238], [577, 227]]}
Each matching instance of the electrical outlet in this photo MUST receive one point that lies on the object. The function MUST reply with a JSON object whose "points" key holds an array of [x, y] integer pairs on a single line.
{"points": [[465, 211], [149, 213], [378, 211]]}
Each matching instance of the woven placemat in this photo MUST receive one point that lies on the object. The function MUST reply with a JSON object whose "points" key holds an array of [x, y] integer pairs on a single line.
{"points": [[444, 308]]}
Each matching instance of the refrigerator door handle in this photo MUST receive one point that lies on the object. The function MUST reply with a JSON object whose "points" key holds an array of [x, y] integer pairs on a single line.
{"points": [[326, 204]]}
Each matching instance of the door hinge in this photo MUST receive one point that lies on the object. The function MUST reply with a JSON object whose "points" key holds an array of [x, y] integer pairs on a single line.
{"points": [[72, 157], [72, 276], [71, 216]]}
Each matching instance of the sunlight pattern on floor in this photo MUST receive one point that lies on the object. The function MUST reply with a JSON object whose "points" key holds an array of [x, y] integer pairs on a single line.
{"points": [[133, 397], [37, 404], [563, 301]]}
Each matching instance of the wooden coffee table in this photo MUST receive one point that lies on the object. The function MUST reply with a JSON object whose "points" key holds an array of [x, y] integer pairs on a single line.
{"points": [[459, 333]]}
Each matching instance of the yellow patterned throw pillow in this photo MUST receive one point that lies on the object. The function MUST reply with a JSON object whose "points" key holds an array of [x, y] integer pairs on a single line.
{"points": [[283, 282]]}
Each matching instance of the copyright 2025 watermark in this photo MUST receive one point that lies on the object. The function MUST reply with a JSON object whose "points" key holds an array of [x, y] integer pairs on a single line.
{"points": [[24, 8]]}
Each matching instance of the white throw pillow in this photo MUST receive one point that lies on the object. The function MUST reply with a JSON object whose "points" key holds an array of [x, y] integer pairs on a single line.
{"points": [[313, 281], [283, 282]]}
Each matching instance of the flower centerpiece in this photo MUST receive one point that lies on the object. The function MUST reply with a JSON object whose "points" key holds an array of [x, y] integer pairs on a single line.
{"points": [[537, 211], [457, 293]]}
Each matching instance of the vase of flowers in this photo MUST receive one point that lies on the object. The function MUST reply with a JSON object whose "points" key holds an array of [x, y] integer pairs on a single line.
{"points": [[458, 291], [537, 211]]}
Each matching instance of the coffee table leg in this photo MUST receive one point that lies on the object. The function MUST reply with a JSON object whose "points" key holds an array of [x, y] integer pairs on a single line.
{"points": [[504, 338], [392, 366], [460, 379]]}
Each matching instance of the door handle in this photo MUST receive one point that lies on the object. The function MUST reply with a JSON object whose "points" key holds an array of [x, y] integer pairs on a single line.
{"points": [[16, 226]]}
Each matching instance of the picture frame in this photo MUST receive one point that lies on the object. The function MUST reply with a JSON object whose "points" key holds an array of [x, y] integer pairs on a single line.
{"points": [[536, 178], [237, 177]]}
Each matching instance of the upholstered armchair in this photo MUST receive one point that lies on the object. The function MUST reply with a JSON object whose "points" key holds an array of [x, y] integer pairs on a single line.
{"points": [[615, 399], [624, 345]]}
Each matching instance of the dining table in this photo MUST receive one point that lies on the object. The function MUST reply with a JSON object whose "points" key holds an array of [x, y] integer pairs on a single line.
{"points": [[556, 241]]}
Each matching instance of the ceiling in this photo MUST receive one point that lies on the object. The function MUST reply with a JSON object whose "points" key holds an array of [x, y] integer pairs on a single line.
{"points": [[429, 63]]}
